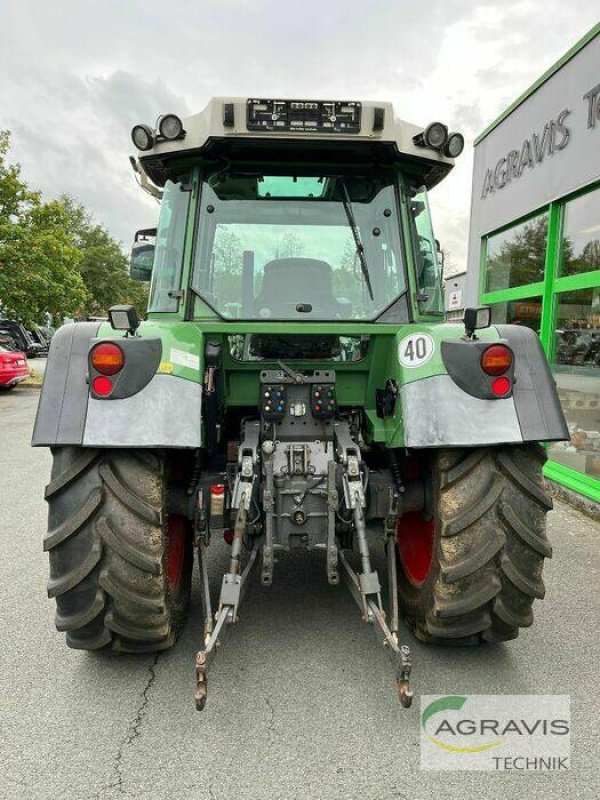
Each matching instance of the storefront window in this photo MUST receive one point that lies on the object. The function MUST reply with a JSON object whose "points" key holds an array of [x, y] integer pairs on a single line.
{"points": [[580, 249], [516, 257], [576, 367], [519, 312]]}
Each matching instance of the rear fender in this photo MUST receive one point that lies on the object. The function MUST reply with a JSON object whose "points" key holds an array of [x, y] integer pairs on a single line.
{"points": [[156, 402], [438, 407]]}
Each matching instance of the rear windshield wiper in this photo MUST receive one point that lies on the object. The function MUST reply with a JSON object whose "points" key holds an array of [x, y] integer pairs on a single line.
{"points": [[360, 250]]}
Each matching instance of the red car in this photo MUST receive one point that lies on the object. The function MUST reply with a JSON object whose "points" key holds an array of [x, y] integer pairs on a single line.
{"points": [[13, 366]]}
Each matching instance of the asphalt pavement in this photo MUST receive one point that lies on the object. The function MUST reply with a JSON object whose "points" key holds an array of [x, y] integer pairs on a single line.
{"points": [[39, 364], [301, 698]]}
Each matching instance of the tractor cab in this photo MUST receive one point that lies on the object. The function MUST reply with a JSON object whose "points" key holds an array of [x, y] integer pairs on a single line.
{"points": [[329, 229], [294, 247]]}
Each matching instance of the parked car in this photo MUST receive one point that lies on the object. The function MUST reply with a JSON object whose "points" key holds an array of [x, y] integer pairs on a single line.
{"points": [[22, 339], [41, 340], [578, 347], [13, 366]]}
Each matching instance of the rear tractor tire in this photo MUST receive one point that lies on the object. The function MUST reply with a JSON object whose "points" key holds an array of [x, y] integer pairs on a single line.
{"points": [[120, 565], [472, 573]]}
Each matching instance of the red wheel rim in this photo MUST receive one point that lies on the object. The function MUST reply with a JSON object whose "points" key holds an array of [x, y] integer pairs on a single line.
{"points": [[414, 540], [176, 542]]}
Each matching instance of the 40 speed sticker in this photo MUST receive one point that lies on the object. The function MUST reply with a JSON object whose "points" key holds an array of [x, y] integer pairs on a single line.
{"points": [[415, 350]]}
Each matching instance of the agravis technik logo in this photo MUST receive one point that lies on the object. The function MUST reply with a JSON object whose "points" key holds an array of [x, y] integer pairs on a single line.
{"points": [[495, 732]]}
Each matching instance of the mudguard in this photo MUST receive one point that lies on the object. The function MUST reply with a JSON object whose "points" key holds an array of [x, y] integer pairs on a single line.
{"points": [[444, 403], [536, 399], [155, 403]]}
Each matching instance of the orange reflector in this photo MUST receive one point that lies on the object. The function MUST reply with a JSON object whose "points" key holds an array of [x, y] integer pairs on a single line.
{"points": [[501, 387], [102, 386], [496, 360], [107, 358]]}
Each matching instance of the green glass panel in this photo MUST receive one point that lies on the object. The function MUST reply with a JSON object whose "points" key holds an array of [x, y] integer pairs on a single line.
{"points": [[289, 186], [295, 258], [576, 369], [516, 257], [170, 243], [580, 249], [428, 268]]}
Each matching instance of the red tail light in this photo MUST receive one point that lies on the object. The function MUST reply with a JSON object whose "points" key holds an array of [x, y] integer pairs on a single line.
{"points": [[496, 360], [107, 358], [501, 386], [102, 386]]}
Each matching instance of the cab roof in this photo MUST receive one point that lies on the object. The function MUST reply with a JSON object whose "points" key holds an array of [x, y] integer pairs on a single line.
{"points": [[325, 132]]}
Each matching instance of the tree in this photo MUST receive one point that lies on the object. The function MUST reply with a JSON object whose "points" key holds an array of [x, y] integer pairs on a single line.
{"points": [[587, 261], [349, 257], [39, 258], [54, 258], [345, 278], [15, 197], [103, 266], [289, 245], [448, 261], [227, 267], [521, 259], [227, 252]]}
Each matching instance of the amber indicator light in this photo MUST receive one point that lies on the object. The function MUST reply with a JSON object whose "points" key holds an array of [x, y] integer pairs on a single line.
{"points": [[107, 358], [496, 360]]}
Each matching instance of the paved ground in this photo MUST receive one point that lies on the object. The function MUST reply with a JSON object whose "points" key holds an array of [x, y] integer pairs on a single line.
{"points": [[301, 701], [38, 365]]}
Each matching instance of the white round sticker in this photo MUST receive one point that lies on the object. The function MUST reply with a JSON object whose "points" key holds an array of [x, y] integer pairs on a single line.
{"points": [[415, 350]]}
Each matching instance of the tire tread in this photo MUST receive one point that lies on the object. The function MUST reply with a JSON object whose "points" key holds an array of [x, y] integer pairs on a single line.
{"points": [[106, 541], [491, 507]]}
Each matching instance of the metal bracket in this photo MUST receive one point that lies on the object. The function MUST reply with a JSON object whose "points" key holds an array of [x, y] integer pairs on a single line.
{"points": [[369, 583], [206, 604], [298, 459], [345, 446], [333, 576], [247, 460], [365, 587], [266, 577], [232, 593], [373, 613], [393, 584], [354, 494]]}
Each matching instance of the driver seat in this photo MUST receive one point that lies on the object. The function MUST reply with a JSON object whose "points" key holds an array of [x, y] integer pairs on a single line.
{"points": [[298, 280]]}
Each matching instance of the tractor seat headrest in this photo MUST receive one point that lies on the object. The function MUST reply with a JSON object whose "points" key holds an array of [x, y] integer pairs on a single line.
{"points": [[295, 277]]}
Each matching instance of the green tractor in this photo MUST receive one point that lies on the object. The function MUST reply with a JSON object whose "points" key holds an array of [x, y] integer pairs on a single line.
{"points": [[295, 386]]}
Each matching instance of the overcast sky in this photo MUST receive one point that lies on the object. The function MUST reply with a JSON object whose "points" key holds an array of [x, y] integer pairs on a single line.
{"points": [[77, 74]]}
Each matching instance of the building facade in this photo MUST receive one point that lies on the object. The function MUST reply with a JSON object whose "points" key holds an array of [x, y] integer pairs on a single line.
{"points": [[454, 296], [534, 244]]}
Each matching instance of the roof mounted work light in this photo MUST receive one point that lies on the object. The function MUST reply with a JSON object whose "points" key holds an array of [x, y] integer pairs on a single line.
{"points": [[435, 136], [170, 127], [454, 145], [143, 137]]}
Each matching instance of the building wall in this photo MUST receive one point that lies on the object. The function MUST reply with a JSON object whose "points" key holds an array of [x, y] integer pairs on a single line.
{"points": [[454, 296], [541, 169], [534, 247]]}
